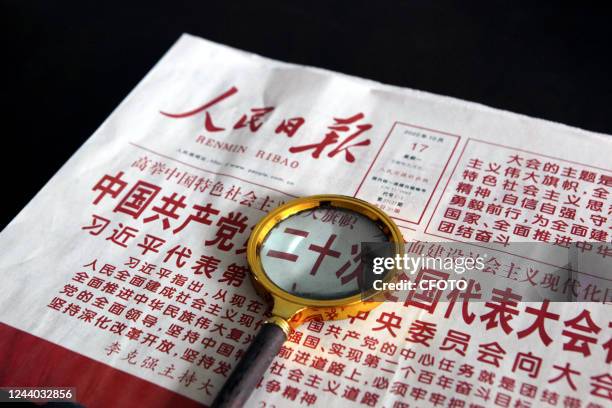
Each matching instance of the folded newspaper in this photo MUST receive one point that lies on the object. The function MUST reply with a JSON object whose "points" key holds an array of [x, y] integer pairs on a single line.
{"points": [[125, 278]]}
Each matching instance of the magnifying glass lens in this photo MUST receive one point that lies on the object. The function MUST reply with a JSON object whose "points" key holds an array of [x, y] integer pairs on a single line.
{"points": [[315, 254], [310, 248]]}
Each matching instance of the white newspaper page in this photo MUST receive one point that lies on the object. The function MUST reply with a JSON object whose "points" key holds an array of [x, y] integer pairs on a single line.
{"points": [[131, 261]]}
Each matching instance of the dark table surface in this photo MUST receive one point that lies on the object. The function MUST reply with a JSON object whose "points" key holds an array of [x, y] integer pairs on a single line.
{"points": [[67, 65]]}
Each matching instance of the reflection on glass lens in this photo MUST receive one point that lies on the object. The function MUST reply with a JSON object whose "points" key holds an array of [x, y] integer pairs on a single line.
{"points": [[315, 254]]}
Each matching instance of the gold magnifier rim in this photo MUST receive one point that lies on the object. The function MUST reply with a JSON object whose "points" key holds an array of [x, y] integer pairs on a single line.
{"points": [[261, 230]]}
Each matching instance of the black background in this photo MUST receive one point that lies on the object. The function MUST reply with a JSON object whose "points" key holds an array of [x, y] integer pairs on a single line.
{"points": [[68, 64]]}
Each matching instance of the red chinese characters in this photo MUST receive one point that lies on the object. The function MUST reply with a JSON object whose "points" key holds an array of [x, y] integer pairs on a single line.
{"points": [[349, 127]]}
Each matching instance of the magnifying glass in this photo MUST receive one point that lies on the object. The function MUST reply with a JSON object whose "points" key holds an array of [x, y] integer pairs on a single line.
{"points": [[305, 258]]}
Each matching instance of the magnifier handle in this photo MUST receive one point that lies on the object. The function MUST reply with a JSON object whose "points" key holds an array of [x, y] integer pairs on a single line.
{"points": [[251, 367]]}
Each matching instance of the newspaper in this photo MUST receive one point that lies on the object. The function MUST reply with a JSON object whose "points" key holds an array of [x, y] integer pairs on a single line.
{"points": [[126, 277]]}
